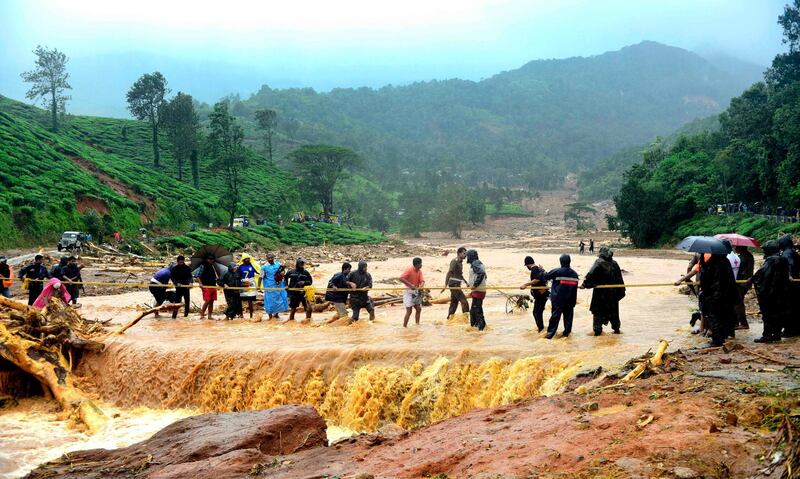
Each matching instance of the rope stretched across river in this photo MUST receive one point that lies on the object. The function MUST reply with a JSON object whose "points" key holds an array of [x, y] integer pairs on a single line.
{"points": [[383, 288]]}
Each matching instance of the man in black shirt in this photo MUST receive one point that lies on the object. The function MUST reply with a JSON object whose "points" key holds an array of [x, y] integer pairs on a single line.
{"points": [[339, 298], [361, 279], [72, 274], [36, 273], [182, 279], [539, 295], [297, 279]]}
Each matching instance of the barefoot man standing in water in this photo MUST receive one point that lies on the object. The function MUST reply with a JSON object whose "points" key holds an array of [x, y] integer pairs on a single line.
{"points": [[412, 296]]}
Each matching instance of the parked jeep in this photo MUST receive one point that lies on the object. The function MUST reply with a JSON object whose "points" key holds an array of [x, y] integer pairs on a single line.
{"points": [[71, 240]]}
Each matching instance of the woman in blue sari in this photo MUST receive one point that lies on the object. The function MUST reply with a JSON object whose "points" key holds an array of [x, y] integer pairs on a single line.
{"points": [[272, 274]]}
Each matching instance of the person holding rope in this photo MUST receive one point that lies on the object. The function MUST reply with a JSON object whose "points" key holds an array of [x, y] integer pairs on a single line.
{"points": [[453, 280], [605, 301], [563, 296], [539, 295], [72, 275], [477, 281], [182, 279], [361, 280], [772, 285], [298, 278], [231, 283], [208, 276], [158, 286], [272, 277], [412, 296], [339, 298], [35, 273], [792, 325]]}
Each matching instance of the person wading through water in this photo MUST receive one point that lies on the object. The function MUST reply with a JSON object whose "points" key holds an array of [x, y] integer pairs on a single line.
{"points": [[477, 281], [250, 273], [333, 294], [231, 283], [72, 275], [453, 280], [539, 295], [182, 279], [563, 296], [298, 278], [412, 296], [158, 286], [772, 286], [276, 299], [361, 280], [208, 277], [605, 301], [36, 273]]}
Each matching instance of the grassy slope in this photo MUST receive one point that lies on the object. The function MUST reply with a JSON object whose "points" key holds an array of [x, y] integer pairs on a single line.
{"points": [[757, 227]]}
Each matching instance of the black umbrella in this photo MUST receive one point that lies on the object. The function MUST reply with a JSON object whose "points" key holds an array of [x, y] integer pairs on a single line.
{"points": [[702, 244], [222, 257]]}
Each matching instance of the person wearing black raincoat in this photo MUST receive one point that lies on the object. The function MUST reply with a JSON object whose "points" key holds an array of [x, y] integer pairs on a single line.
{"points": [[605, 301], [771, 283], [745, 272], [563, 296], [361, 279], [36, 273], [231, 283], [719, 295], [540, 294], [792, 325], [477, 281]]}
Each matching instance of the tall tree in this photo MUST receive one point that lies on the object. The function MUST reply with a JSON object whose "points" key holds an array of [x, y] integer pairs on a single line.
{"points": [[267, 120], [146, 101], [193, 161], [225, 145], [49, 80], [319, 167], [182, 124]]}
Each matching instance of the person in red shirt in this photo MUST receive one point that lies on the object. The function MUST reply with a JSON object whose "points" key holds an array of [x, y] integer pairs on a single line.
{"points": [[412, 296]]}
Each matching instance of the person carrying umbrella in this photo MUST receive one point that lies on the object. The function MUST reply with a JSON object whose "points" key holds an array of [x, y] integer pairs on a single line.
{"points": [[771, 283], [605, 301]]}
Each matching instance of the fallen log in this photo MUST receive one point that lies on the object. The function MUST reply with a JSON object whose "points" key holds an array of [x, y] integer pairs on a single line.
{"points": [[655, 361], [49, 367], [165, 307]]}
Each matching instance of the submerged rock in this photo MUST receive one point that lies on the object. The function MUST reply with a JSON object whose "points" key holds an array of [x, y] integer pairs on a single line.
{"points": [[213, 446]]}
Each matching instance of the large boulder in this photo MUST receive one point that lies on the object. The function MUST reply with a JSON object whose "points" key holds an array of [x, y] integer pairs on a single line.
{"points": [[213, 446]]}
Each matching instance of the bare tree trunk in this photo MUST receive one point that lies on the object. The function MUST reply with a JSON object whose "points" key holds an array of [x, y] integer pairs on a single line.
{"points": [[156, 155], [269, 144], [54, 108]]}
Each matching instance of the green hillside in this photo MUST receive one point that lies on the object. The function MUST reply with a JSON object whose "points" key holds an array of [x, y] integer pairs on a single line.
{"points": [[526, 126]]}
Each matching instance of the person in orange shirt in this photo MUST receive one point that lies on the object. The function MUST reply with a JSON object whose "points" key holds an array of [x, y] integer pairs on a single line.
{"points": [[412, 296]]}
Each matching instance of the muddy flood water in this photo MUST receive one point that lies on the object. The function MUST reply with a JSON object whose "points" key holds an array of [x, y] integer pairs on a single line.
{"points": [[360, 377]]}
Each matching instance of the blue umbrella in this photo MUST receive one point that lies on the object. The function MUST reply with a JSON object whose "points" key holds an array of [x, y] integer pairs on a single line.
{"points": [[702, 244]]}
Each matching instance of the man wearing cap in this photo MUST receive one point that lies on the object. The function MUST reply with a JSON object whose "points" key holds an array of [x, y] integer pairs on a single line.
{"points": [[297, 279], [453, 280], [5, 277], [540, 294], [36, 273], [564, 295]]}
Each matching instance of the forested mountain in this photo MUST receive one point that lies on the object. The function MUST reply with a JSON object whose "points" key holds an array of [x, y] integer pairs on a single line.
{"points": [[525, 126]]}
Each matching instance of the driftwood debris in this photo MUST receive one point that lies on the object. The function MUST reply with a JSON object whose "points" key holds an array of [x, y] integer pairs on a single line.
{"points": [[143, 314], [655, 361], [37, 341]]}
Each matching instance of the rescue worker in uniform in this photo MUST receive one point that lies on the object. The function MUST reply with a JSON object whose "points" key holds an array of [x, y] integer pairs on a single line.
{"points": [[36, 273], [772, 286], [605, 301], [563, 296]]}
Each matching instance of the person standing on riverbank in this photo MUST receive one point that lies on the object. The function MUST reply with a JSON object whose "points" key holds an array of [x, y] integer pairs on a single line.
{"points": [[477, 281], [605, 301], [35, 273], [182, 279], [746, 267], [361, 280], [5, 277], [454, 280], [771, 283], [540, 294], [413, 279], [563, 296], [792, 325]]}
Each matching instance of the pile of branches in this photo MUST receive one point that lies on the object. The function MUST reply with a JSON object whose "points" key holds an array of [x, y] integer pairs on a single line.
{"points": [[39, 342]]}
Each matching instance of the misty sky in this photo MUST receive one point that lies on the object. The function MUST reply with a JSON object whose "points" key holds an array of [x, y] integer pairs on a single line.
{"points": [[210, 49]]}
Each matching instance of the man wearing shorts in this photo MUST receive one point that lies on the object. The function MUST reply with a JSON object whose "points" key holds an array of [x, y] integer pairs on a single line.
{"points": [[208, 284], [361, 280], [412, 297], [298, 278]]}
